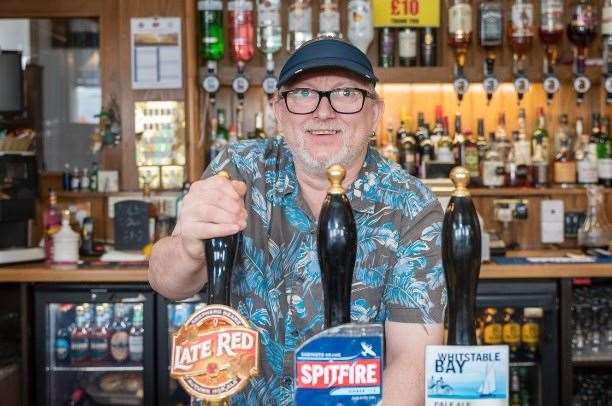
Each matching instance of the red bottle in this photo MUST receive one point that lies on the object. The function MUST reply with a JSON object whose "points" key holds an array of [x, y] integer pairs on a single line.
{"points": [[99, 340], [241, 30], [52, 222], [79, 338]]}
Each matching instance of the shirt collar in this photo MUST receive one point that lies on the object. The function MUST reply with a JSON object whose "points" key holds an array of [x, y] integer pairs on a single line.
{"points": [[286, 182]]}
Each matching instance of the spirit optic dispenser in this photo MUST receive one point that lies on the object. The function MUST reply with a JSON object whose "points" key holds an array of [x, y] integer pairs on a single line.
{"points": [[212, 43], [360, 26], [343, 363], [269, 39], [459, 38], [209, 371], [520, 35], [300, 24], [606, 35], [551, 33], [581, 31]]}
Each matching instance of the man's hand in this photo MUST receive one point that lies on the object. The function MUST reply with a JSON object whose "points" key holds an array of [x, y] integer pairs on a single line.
{"points": [[404, 376], [214, 207]]}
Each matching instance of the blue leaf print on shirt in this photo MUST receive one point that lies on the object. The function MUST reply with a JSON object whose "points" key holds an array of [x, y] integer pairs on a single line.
{"points": [[219, 163], [258, 317], [435, 276], [406, 291], [371, 277], [362, 311], [260, 207], [246, 155], [292, 341], [433, 233], [297, 218], [273, 351], [253, 263], [411, 255]]}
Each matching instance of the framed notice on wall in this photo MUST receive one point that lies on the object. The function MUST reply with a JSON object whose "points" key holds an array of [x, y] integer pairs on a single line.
{"points": [[156, 53], [407, 13]]}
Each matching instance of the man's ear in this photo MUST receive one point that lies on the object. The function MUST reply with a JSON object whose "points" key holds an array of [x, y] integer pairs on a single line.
{"points": [[377, 112], [277, 107]]}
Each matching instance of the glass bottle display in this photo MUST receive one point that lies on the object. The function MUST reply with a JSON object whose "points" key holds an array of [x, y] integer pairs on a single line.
{"points": [[212, 41], [604, 154], [520, 35], [493, 172], [595, 232], [407, 38], [490, 17], [386, 47], [581, 31], [300, 24], [269, 29], [459, 38], [241, 30], [329, 18], [551, 33], [586, 157], [360, 26]]}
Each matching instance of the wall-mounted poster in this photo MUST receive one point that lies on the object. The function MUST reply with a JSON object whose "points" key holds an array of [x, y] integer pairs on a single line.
{"points": [[156, 53]]}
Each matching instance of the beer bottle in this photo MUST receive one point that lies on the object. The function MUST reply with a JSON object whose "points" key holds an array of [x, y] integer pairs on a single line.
{"points": [[530, 332], [492, 333], [515, 388], [511, 332]]}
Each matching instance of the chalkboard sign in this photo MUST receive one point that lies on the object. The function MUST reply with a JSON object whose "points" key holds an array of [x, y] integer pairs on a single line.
{"points": [[131, 225]]}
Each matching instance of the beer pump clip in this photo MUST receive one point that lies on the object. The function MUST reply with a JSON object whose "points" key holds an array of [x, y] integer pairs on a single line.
{"points": [[216, 352], [461, 371], [550, 83], [343, 364], [490, 82]]}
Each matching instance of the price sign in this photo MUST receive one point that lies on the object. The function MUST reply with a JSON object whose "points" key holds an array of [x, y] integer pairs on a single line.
{"points": [[406, 13]]}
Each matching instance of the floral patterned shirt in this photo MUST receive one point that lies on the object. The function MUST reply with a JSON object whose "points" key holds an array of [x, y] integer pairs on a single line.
{"points": [[276, 281]]}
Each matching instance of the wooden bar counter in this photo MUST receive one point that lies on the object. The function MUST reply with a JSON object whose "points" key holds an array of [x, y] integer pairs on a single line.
{"points": [[39, 272]]}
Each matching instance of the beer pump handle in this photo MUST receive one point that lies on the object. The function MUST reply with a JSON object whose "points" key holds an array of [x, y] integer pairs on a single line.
{"points": [[220, 254], [337, 249], [461, 256]]}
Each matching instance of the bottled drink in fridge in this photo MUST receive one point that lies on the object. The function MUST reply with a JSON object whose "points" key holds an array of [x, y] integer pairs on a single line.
{"points": [[61, 345], [530, 332], [360, 26], [100, 337], [136, 338], [329, 18], [79, 338], [300, 24], [269, 29], [119, 335], [212, 37], [241, 29]]}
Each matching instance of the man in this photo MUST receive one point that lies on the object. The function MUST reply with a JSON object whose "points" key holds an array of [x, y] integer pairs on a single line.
{"points": [[327, 109]]}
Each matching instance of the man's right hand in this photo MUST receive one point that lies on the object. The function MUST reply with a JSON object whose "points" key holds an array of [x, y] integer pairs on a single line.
{"points": [[214, 207]]}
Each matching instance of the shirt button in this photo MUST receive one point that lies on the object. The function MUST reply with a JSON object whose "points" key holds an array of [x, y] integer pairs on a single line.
{"points": [[287, 381], [295, 333]]}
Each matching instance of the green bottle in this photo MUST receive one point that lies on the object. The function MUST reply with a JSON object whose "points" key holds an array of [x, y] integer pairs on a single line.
{"points": [[212, 46], [222, 131], [604, 154]]}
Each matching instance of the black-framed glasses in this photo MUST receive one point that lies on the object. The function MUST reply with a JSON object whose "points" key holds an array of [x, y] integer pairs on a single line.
{"points": [[345, 100]]}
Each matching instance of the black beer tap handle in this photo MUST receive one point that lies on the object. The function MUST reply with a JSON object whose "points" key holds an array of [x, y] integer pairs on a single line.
{"points": [[337, 249], [220, 254], [461, 256]]}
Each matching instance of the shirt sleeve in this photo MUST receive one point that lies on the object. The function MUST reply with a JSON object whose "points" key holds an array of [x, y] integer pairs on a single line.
{"points": [[222, 162], [415, 291]]}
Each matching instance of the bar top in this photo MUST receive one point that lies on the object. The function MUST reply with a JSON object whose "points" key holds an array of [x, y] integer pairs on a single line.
{"points": [[39, 272]]}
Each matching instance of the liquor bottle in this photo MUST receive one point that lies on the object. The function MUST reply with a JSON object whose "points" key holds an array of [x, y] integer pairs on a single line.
{"points": [[493, 172], [360, 26], [586, 157], [471, 160], [390, 151], [76, 180], [119, 335], [540, 149], [222, 130], [136, 337], [481, 144], [67, 177], [490, 16], [501, 137], [522, 151], [269, 29], [551, 34], [458, 146], [438, 131], [52, 221], [300, 24], [85, 179], [329, 18], [511, 332], [564, 170], [492, 330], [212, 42], [407, 145], [428, 45], [459, 38], [444, 151], [400, 135], [421, 134], [386, 47], [426, 152], [604, 154], [259, 133], [241, 30], [99, 337], [93, 178], [581, 31], [515, 388], [407, 38], [530, 332], [520, 35], [606, 35], [217, 140], [61, 344], [79, 338]]}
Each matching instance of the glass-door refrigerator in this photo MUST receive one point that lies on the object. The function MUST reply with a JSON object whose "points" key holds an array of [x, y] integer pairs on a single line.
{"points": [[170, 316], [94, 345], [525, 316]]}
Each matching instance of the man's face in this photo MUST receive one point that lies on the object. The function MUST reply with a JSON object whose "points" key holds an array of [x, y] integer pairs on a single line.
{"points": [[325, 137]]}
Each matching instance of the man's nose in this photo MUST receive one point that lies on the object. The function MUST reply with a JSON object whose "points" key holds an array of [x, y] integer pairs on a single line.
{"points": [[325, 109]]}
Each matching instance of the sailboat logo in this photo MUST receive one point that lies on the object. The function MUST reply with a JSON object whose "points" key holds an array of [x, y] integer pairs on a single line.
{"points": [[487, 387]]}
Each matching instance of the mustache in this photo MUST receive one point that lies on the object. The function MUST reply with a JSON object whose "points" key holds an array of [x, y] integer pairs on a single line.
{"points": [[331, 125]]}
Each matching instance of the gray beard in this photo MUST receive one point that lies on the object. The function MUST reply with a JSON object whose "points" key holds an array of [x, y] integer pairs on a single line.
{"points": [[345, 157]]}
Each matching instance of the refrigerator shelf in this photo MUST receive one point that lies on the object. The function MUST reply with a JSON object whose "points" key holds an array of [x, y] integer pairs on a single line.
{"points": [[593, 361], [137, 368]]}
